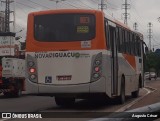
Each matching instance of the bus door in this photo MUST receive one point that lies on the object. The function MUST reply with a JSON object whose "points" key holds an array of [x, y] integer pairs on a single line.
{"points": [[140, 63], [114, 59]]}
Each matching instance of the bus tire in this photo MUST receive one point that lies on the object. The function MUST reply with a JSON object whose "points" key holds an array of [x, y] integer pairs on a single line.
{"points": [[135, 94], [121, 98], [60, 101], [17, 92]]}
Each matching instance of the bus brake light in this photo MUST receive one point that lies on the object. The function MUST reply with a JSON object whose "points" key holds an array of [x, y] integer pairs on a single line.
{"points": [[97, 69], [32, 70]]}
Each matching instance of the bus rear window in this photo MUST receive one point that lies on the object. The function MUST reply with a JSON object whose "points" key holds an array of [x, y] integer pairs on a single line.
{"points": [[64, 27]]}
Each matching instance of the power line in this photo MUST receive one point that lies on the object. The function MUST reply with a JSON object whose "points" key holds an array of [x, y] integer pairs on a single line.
{"points": [[70, 4], [39, 4], [22, 10], [86, 5], [114, 6], [26, 5], [142, 21]]}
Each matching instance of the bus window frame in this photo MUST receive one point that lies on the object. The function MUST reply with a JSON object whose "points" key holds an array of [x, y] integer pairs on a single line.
{"points": [[66, 40]]}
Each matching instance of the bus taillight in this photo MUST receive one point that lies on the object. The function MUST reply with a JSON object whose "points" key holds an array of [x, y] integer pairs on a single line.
{"points": [[32, 76], [32, 69], [96, 75], [31, 63], [97, 67]]}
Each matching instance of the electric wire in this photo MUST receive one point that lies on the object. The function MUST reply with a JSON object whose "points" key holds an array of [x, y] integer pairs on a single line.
{"points": [[39, 4]]}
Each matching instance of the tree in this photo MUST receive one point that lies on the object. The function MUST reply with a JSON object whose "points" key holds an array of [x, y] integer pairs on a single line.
{"points": [[152, 62]]}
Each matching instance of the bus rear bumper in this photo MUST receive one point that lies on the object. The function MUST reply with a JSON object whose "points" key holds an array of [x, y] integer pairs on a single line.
{"points": [[88, 88]]}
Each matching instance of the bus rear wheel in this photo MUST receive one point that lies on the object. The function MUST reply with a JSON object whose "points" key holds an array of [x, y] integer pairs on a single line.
{"points": [[61, 101], [17, 90], [135, 94]]}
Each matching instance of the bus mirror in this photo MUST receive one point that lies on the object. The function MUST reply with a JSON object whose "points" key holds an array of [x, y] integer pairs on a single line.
{"points": [[146, 49]]}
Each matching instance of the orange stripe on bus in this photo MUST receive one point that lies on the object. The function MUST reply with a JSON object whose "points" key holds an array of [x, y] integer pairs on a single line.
{"points": [[98, 42], [130, 59]]}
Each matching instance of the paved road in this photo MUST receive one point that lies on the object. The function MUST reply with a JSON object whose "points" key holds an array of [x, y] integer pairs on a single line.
{"points": [[151, 98], [47, 104], [25, 103], [42, 104]]}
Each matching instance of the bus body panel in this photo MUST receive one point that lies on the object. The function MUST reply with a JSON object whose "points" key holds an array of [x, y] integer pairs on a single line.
{"points": [[67, 67], [31, 88], [70, 66], [64, 67], [33, 45], [131, 74], [81, 83], [88, 88]]}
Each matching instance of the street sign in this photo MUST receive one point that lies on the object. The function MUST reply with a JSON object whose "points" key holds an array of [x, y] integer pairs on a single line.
{"points": [[7, 46]]}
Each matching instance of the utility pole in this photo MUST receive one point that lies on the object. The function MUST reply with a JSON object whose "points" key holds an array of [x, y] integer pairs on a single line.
{"points": [[7, 15], [135, 26], [2, 18], [126, 15], [150, 35], [102, 5]]}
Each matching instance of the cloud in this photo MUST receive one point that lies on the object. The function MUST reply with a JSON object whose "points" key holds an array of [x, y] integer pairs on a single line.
{"points": [[142, 11]]}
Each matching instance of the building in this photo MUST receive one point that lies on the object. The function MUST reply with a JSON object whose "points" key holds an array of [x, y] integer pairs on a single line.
{"points": [[2, 22]]}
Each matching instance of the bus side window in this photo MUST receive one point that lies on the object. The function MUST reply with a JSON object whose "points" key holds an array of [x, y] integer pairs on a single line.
{"points": [[118, 39], [122, 45], [123, 41], [127, 42], [138, 46], [107, 34], [131, 44], [135, 45]]}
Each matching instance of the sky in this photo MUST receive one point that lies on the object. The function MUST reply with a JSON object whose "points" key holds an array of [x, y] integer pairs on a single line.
{"points": [[141, 11]]}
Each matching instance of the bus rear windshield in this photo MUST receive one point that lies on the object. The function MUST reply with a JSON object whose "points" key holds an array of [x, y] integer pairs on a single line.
{"points": [[64, 27]]}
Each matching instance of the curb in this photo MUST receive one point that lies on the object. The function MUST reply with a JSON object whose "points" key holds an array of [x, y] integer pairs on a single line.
{"points": [[134, 102]]}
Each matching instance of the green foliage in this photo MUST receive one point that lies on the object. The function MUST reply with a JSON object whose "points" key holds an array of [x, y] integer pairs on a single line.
{"points": [[152, 61]]}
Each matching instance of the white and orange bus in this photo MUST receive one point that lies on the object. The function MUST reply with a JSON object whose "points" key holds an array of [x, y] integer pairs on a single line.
{"points": [[79, 53]]}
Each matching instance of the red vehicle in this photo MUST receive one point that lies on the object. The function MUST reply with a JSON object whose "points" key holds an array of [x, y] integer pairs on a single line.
{"points": [[12, 82], [12, 86]]}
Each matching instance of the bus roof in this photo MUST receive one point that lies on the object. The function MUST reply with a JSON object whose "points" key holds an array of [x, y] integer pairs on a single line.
{"points": [[122, 24], [65, 11]]}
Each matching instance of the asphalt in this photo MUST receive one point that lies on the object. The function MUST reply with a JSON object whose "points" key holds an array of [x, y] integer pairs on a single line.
{"points": [[151, 98]]}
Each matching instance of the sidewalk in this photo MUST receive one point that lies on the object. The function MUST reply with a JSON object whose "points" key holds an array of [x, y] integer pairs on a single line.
{"points": [[153, 97]]}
